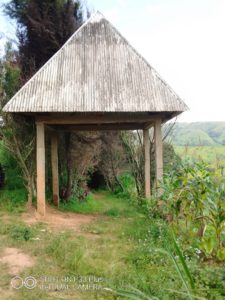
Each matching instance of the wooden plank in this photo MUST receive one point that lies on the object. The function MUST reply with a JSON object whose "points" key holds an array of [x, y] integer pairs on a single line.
{"points": [[97, 118], [55, 171], [40, 144], [158, 150], [147, 162]]}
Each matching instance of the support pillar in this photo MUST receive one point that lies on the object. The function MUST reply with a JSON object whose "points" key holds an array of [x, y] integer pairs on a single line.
{"points": [[40, 144], [55, 171], [147, 162], [158, 151]]}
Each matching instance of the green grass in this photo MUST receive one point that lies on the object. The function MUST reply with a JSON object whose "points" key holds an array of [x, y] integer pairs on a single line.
{"points": [[119, 247], [214, 155], [101, 203], [13, 200]]}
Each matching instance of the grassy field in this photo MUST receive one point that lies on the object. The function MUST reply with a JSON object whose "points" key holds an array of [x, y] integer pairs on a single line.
{"points": [[214, 155], [120, 248], [109, 251]]}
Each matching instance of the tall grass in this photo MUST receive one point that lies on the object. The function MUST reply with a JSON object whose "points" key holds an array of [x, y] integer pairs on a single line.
{"points": [[13, 200]]}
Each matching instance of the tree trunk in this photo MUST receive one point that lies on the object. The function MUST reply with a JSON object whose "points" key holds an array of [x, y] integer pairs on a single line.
{"points": [[29, 192]]}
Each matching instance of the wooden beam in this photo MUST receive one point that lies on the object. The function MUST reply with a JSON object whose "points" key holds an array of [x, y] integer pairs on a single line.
{"points": [[97, 119], [40, 144], [158, 150], [147, 162], [148, 125], [55, 171], [94, 127]]}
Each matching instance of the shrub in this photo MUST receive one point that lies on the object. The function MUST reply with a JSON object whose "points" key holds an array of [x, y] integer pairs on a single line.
{"points": [[193, 195]]}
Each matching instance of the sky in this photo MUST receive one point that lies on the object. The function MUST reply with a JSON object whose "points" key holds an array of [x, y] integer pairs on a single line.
{"points": [[184, 40]]}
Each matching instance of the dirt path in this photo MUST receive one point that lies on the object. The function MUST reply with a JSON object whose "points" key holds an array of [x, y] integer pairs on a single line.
{"points": [[56, 219], [16, 260]]}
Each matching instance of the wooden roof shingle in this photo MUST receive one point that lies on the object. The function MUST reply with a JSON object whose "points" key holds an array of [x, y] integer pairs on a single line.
{"points": [[96, 70]]}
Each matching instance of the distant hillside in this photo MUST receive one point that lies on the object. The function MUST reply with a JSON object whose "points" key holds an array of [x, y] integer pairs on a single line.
{"points": [[199, 134]]}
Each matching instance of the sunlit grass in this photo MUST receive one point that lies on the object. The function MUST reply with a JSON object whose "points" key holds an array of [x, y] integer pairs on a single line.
{"points": [[120, 248], [101, 203]]}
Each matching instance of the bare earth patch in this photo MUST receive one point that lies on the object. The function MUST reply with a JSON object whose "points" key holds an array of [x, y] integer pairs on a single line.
{"points": [[16, 260], [56, 219]]}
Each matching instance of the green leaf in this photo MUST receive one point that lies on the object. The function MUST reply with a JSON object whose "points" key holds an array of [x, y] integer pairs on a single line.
{"points": [[134, 294], [221, 254], [183, 262], [208, 244]]}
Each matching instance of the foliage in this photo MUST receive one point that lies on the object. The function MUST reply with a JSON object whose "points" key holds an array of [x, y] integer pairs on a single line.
{"points": [[187, 280], [112, 160], [198, 134], [13, 175], [132, 293], [128, 190], [13, 200], [18, 140], [79, 155], [21, 233], [181, 269], [192, 194], [107, 204], [213, 155], [9, 74], [43, 27], [90, 205], [133, 144], [123, 251], [17, 135]]}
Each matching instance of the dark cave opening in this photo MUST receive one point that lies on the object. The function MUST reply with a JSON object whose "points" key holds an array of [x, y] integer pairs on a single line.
{"points": [[96, 180]]}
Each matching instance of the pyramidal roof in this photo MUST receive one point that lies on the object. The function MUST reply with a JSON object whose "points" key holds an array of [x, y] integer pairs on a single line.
{"points": [[96, 70]]}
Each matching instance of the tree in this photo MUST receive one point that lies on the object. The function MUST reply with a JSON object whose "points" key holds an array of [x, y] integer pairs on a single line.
{"points": [[42, 28], [16, 134], [133, 144]]}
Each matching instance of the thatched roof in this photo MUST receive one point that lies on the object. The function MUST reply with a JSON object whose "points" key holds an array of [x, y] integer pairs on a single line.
{"points": [[96, 70]]}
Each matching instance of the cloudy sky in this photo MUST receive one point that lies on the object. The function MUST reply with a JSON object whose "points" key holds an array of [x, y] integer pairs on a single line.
{"points": [[184, 40]]}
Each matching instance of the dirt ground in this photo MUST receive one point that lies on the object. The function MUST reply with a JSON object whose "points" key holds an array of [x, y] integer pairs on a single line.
{"points": [[56, 219], [16, 260]]}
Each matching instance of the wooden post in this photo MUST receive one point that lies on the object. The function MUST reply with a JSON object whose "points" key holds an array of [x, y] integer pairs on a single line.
{"points": [[158, 151], [55, 172], [40, 168], [147, 162]]}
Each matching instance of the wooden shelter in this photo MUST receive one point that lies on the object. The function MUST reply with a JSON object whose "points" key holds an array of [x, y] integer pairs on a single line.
{"points": [[96, 81]]}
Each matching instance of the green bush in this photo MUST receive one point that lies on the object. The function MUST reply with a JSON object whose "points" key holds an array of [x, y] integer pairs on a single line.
{"points": [[13, 200], [13, 176], [17, 231], [195, 197], [128, 187], [21, 233]]}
